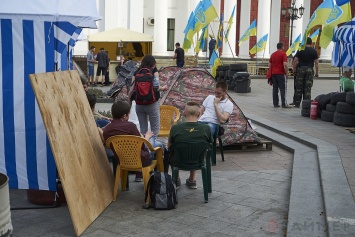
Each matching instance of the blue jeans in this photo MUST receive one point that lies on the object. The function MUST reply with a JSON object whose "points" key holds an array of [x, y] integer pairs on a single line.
{"points": [[90, 71], [213, 127], [180, 64], [155, 143]]}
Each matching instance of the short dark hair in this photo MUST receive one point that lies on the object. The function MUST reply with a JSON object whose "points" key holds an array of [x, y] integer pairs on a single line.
{"points": [[91, 99], [148, 61], [102, 49], [120, 108], [279, 45], [92, 47], [222, 85], [309, 41], [177, 44], [192, 108]]}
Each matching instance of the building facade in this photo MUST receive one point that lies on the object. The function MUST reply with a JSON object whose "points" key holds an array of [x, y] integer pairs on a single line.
{"points": [[166, 20]]}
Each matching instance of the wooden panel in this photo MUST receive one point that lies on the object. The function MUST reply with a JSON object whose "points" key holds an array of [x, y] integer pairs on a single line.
{"points": [[78, 151]]}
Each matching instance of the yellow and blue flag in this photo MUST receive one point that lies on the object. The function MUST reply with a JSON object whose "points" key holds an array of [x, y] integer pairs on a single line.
{"points": [[215, 61], [201, 42], [318, 17], [230, 22], [341, 2], [189, 31], [204, 14], [295, 45], [339, 14], [251, 31], [260, 45], [220, 33], [314, 36]]}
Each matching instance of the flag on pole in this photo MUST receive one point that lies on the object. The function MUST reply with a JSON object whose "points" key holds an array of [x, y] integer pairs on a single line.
{"points": [[251, 31], [220, 33], [318, 17], [204, 14], [201, 42], [314, 36], [260, 45], [336, 16], [230, 22], [215, 61], [189, 32], [295, 45]]}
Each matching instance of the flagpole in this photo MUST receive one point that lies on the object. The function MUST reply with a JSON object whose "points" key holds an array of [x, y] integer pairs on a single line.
{"points": [[231, 49]]}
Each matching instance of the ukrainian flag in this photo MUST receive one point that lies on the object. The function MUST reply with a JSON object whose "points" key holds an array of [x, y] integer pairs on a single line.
{"points": [[204, 14], [295, 45], [341, 2], [190, 29], [314, 36], [215, 61], [251, 31], [337, 15], [260, 46], [201, 42], [220, 33], [230, 22]]}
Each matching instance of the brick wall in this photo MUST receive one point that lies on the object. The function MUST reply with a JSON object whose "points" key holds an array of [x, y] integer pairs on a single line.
{"points": [[253, 16], [352, 3], [284, 25]]}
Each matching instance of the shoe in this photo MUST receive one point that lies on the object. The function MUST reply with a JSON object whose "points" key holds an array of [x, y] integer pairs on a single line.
{"points": [[276, 106], [296, 106], [292, 103], [139, 177], [191, 184], [178, 183], [287, 106]]}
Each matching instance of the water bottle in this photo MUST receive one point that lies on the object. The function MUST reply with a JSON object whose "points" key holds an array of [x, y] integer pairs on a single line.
{"points": [[156, 84]]}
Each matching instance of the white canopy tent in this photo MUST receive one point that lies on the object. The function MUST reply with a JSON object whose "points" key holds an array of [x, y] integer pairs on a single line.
{"points": [[35, 36]]}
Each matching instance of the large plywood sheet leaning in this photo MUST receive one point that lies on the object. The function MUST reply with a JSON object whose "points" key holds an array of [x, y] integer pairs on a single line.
{"points": [[78, 150]]}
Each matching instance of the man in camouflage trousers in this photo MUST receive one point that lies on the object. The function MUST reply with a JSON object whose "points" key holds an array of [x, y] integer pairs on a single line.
{"points": [[303, 64]]}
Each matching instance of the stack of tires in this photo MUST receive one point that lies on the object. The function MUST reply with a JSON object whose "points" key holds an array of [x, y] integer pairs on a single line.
{"points": [[345, 111], [330, 108], [222, 73], [238, 78], [306, 108]]}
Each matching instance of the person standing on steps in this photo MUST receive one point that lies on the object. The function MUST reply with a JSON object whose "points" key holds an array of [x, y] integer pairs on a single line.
{"points": [[179, 55], [102, 65], [278, 67], [90, 63], [211, 45]]}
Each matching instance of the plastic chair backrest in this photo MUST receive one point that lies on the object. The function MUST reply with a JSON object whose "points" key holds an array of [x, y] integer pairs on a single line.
{"points": [[189, 155], [169, 115], [128, 148]]}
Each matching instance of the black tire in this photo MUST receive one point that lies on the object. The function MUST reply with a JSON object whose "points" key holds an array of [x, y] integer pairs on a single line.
{"points": [[322, 104], [228, 82], [345, 108], [330, 108], [231, 73], [223, 67], [239, 67], [350, 98], [305, 112], [339, 97], [231, 87], [306, 104], [327, 116], [345, 120], [221, 73], [317, 99]]}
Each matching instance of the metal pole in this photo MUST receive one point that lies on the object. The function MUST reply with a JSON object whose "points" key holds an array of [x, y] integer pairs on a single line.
{"points": [[291, 29]]}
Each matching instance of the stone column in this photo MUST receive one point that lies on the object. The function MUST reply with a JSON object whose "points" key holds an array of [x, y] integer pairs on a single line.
{"points": [[229, 49], [244, 24], [306, 14], [263, 25], [135, 15], [160, 27], [275, 21]]}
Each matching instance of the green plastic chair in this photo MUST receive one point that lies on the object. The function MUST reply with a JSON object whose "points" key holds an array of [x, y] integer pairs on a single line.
{"points": [[214, 146], [192, 156]]}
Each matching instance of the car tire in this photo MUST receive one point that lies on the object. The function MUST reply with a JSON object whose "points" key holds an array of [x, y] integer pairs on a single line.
{"points": [[344, 120], [305, 112], [350, 98], [345, 108], [239, 67], [306, 104], [330, 108], [327, 116], [339, 97]]}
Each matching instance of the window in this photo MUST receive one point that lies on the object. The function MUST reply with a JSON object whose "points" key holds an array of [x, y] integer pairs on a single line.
{"points": [[171, 34]]}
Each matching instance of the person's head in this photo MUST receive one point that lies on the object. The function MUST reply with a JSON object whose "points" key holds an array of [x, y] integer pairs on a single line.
{"points": [[85, 84], [102, 49], [120, 110], [192, 110], [211, 36], [221, 90], [92, 48], [280, 46], [148, 61], [92, 100], [177, 45], [347, 71], [309, 41]]}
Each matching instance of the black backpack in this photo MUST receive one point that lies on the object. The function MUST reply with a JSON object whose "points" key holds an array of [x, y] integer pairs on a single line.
{"points": [[162, 191], [144, 87]]}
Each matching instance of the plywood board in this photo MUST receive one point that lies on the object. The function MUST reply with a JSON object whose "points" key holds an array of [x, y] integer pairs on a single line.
{"points": [[78, 150]]}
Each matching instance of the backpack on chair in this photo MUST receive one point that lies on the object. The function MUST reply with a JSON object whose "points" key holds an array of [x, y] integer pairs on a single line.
{"points": [[162, 191], [144, 87]]}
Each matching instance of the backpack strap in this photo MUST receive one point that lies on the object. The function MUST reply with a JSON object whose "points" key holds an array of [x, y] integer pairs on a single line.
{"points": [[147, 206]]}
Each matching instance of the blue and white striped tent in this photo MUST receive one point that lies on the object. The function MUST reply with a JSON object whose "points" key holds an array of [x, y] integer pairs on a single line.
{"points": [[344, 45], [35, 36]]}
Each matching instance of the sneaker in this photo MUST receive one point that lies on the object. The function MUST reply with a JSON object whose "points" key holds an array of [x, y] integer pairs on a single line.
{"points": [[296, 106], [292, 103], [276, 106], [139, 177], [191, 184], [287, 106]]}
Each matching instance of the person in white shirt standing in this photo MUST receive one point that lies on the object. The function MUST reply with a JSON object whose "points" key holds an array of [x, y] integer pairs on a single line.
{"points": [[216, 109]]}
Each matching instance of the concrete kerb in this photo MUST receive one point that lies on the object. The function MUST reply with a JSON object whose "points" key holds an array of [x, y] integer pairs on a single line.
{"points": [[338, 200]]}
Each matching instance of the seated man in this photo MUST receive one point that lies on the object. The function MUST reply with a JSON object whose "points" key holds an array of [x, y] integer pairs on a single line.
{"points": [[121, 126], [101, 120], [191, 130], [345, 83], [216, 109]]}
